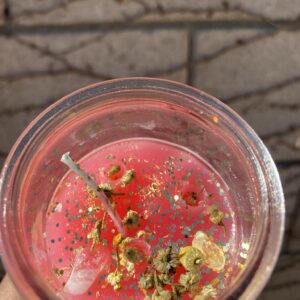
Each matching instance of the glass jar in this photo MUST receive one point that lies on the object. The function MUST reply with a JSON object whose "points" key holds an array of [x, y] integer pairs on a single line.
{"points": [[129, 108]]}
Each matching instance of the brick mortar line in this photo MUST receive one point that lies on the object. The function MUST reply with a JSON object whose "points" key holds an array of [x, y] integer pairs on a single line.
{"points": [[122, 26]]}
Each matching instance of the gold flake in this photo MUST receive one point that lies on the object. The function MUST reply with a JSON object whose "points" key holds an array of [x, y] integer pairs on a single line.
{"points": [[245, 246]]}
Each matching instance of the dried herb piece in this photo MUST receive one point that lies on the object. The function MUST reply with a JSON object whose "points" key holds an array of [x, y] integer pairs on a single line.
{"points": [[131, 219], [91, 192], [207, 293], [146, 281], [128, 177], [191, 258], [114, 279], [164, 279], [216, 216], [189, 280], [114, 170], [166, 260], [133, 255], [106, 188], [95, 234], [58, 272], [162, 295]]}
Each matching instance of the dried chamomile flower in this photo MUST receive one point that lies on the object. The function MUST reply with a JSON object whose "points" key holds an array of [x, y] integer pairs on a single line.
{"points": [[166, 260], [164, 279], [114, 170], [146, 281], [176, 293], [58, 272], [162, 295], [95, 234], [191, 258], [213, 255], [189, 280], [133, 255], [128, 177], [207, 293], [216, 216], [114, 279], [131, 219]]}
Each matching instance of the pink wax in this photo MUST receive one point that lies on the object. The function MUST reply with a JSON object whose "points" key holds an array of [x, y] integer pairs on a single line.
{"points": [[166, 177]]}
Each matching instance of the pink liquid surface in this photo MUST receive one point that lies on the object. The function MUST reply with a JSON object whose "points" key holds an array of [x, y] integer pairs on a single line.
{"points": [[166, 175]]}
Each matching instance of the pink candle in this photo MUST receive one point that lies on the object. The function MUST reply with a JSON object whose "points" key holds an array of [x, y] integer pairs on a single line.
{"points": [[169, 200]]}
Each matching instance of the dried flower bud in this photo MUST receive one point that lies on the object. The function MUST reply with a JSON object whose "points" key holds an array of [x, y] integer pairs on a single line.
{"points": [[131, 219], [166, 260], [146, 281], [191, 258], [114, 279], [128, 177], [114, 170]]}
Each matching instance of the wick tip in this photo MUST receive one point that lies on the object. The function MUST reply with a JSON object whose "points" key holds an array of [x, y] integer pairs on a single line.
{"points": [[65, 157]]}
